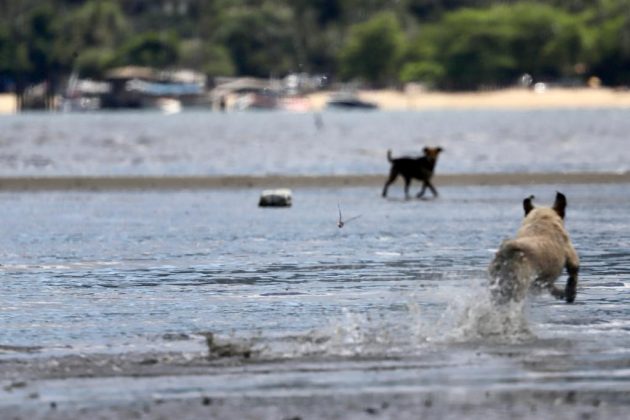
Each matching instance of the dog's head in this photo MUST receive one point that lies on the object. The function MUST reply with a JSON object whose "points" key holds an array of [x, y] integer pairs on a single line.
{"points": [[432, 152], [559, 205]]}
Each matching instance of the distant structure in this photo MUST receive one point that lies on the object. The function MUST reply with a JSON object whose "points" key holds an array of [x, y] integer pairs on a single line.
{"points": [[250, 93], [144, 87]]}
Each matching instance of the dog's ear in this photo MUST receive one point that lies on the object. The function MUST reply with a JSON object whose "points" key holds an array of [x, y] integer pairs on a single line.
{"points": [[439, 150], [426, 150], [560, 204], [528, 205]]}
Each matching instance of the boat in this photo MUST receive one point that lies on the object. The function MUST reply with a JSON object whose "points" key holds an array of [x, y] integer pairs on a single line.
{"points": [[347, 100]]}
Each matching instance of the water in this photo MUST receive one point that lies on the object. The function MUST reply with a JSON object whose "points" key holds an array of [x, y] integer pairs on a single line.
{"points": [[203, 143], [393, 301]]}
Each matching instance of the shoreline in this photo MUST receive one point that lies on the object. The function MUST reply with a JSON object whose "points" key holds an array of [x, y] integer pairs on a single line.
{"points": [[124, 183], [416, 98]]}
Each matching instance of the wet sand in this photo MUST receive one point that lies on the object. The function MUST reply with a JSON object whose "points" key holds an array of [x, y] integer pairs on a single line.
{"points": [[25, 393], [96, 183]]}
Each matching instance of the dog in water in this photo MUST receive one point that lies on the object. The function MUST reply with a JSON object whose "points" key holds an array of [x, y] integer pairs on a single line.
{"points": [[535, 258], [414, 168]]}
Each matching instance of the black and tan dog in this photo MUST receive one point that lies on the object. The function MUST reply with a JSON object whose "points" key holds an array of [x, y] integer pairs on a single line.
{"points": [[536, 257], [414, 168]]}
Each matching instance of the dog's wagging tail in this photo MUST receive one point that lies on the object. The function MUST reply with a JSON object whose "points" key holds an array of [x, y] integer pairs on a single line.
{"points": [[536, 256]]}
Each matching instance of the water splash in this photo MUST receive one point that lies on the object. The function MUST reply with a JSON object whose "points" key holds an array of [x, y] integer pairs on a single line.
{"points": [[479, 319], [469, 316]]}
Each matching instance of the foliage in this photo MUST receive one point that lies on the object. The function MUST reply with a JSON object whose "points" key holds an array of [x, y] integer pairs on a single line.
{"points": [[260, 40], [213, 59], [373, 50], [492, 47], [449, 44], [149, 49], [610, 55], [90, 35]]}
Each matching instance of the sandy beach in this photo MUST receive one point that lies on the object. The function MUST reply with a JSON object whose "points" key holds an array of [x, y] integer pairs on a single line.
{"points": [[416, 98], [514, 98], [102, 183]]}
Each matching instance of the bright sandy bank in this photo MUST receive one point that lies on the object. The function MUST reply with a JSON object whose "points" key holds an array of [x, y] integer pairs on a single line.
{"points": [[415, 99]]}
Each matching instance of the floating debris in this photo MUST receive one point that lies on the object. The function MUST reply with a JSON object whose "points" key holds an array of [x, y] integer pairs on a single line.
{"points": [[275, 198], [218, 349]]}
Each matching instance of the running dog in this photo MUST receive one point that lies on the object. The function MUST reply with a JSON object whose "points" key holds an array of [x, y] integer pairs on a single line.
{"points": [[419, 168], [536, 257]]}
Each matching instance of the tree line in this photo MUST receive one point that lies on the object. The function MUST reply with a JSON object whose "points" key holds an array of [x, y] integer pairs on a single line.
{"points": [[448, 44]]}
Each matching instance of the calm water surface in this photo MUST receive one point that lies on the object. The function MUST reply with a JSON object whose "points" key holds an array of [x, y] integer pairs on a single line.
{"points": [[204, 143]]}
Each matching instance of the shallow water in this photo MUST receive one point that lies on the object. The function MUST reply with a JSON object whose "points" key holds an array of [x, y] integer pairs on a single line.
{"points": [[393, 301], [390, 301], [205, 143]]}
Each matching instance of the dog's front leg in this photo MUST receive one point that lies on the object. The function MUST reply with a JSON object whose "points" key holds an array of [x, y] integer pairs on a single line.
{"points": [[432, 188], [570, 289], [573, 267], [424, 188]]}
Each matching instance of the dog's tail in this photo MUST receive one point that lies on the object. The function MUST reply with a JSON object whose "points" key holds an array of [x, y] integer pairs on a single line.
{"points": [[510, 274], [389, 155]]}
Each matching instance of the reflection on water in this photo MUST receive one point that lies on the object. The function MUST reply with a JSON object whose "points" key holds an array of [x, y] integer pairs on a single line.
{"points": [[203, 143]]}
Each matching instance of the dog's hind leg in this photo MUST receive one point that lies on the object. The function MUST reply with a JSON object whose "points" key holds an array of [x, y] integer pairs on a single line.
{"points": [[407, 184], [510, 275], [392, 177]]}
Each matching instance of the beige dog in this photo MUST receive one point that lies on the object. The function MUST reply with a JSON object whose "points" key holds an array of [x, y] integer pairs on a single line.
{"points": [[536, 257]]}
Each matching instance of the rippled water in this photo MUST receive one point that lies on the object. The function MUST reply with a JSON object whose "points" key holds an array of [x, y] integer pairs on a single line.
{"points": [[204, 143], [394, 300], [122, 271]]}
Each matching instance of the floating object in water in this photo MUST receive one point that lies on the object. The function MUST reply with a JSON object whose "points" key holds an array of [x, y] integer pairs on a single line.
{"points": [[340, 222], [275, 198]]}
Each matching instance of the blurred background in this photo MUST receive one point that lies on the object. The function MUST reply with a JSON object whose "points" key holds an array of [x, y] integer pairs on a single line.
{"points": [[73, 54]]}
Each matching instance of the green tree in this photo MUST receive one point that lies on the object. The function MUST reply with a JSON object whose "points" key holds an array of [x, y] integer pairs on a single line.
{"points": [[30, 50], [373, 50], [90, 36], [610, 30], [150, 49], [547, 41], [212, 59], [260, 39], [469, 48]]}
